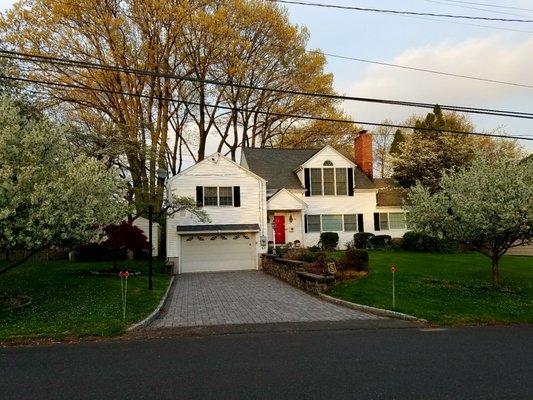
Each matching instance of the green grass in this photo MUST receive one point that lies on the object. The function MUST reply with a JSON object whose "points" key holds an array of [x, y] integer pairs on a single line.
{"points": [[68, 303], [445, 289]]}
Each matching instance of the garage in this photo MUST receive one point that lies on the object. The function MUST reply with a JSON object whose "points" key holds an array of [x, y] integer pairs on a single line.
{"points": [[218, 251]]}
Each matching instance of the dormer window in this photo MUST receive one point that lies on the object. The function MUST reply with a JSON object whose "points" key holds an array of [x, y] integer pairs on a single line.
{"points": [[329, 181], [327, 163]]}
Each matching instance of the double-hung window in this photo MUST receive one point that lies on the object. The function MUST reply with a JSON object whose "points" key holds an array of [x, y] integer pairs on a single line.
{"points": [[393, 220], [329, 181], [350, 222], [218, 196], [316, 181], [313, 223], [332, 223]]}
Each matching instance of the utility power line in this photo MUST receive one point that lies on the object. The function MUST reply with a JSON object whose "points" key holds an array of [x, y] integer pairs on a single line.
{"points": [[430, 71], [83, 64], [398, 12], [240, 109], [489, 5], [446, 3]]}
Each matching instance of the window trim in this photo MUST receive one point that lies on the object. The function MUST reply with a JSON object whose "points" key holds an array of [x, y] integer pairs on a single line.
{"points": [[388, 220], [218, 197], [322, 186], [322, 224]]}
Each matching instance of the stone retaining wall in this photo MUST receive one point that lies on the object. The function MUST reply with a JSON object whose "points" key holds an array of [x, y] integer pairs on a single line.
{"points": [[286, 271]]}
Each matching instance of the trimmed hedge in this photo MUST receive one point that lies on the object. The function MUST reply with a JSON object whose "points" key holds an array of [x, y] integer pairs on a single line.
{"points": [[361, 240], [329, 240], [380, 241], [414, 241], [97, 252]]}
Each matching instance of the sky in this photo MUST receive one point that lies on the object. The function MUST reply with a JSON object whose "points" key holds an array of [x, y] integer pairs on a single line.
{"points": [[494, 50]]}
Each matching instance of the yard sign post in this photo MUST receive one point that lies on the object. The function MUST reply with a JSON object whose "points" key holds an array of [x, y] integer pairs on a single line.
{"points": [[393, 270], [124, 289], [150, 227]]}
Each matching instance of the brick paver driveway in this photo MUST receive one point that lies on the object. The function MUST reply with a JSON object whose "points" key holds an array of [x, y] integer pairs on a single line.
{"points": [[244, 297]]}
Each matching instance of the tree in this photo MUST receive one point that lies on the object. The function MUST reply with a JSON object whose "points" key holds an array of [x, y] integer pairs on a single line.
{"points": [[428, 152], [152, 120], [384, 137], [398, 139], [47, 196], [488, 205]]}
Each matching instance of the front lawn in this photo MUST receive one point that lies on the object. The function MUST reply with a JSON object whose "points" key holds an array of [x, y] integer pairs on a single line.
{"points": [[65, 302], [445, 289]]}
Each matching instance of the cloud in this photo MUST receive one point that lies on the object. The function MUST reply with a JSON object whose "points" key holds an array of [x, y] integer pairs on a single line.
{"points": [[494, 57]]}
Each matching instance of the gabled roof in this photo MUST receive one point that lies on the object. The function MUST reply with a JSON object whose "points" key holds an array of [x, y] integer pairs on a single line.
{"points": [[215, 157], [277, 165]]}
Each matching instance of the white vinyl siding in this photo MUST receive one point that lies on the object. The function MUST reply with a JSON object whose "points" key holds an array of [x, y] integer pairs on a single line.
{"points": [[350, 222], [313, 223]]}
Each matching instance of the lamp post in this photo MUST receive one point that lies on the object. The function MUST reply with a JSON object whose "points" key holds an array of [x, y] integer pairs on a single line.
{"points": [[161, 174]]}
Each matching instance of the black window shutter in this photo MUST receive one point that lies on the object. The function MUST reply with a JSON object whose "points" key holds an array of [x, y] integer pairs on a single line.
{"points": [[307, 179], [199, 196], [360, 223], [376, 222], [350, 181], [305, 222], [236, 196]]}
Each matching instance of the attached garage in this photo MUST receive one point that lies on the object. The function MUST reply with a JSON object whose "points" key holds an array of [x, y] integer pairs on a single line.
{"points": [[208, 248]]}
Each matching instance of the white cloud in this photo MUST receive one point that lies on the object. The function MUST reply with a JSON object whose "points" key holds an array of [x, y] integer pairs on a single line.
{"points": [[494, 57]]}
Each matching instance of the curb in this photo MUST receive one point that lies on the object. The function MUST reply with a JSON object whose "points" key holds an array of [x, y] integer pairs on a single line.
{"points": [[371, 310], [145, 322]]}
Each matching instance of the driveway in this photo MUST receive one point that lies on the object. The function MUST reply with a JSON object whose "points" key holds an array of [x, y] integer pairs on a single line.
{"points": [[244, 297]]}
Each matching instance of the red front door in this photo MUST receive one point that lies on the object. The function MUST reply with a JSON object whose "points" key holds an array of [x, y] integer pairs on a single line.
{"points": [[279, 229]]}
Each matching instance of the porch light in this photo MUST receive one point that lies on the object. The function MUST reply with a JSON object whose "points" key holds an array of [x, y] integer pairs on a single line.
{"points": [[290, 218]]}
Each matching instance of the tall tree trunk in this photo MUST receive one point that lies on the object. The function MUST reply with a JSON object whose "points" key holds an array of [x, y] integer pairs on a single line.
{"points": [[495, 271]]}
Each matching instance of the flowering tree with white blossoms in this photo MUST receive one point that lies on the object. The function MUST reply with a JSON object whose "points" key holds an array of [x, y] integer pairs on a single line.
{"points": [[488, 205], [48, 197]]}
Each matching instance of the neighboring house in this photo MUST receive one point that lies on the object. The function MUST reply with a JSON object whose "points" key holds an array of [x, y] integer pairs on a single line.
{"points": [[143, 224], [280, 196]]}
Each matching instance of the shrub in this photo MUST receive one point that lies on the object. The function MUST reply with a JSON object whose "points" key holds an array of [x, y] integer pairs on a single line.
{"points": [[97, 252], [314, 248], [301, 255], [397, 243], [355, 259], [380, 241], [415, 241], [361, 240], [329, 240]]}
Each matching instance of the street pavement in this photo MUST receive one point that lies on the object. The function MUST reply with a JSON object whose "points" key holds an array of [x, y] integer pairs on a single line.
{"points": [[402, 363]]}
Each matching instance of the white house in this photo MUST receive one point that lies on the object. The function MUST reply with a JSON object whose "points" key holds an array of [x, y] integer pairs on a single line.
{"points": [[281, 196]]}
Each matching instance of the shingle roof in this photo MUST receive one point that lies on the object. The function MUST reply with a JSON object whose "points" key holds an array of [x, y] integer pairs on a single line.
{"points": [[218, 228], [390, 193], [277, 165]]}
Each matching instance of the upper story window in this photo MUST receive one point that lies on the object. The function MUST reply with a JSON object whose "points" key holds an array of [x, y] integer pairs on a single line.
{"points": [[329, 181], [327, 163], [218, 196]]}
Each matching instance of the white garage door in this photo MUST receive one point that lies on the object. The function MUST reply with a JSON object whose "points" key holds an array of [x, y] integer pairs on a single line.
{"points": [[227, 252]]}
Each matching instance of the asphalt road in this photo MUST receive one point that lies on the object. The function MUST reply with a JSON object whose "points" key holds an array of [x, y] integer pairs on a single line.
{"points": [[409, 363]]}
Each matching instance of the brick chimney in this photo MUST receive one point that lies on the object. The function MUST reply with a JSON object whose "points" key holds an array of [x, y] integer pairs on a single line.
{"points": [[363, 153]]}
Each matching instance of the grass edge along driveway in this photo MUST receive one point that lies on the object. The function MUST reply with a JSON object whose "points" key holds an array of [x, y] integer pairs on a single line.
{"points": [[445, 289], [66, 302]]}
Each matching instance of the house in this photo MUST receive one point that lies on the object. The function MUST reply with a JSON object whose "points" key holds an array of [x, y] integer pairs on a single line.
{"points": [[279, 196]]}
